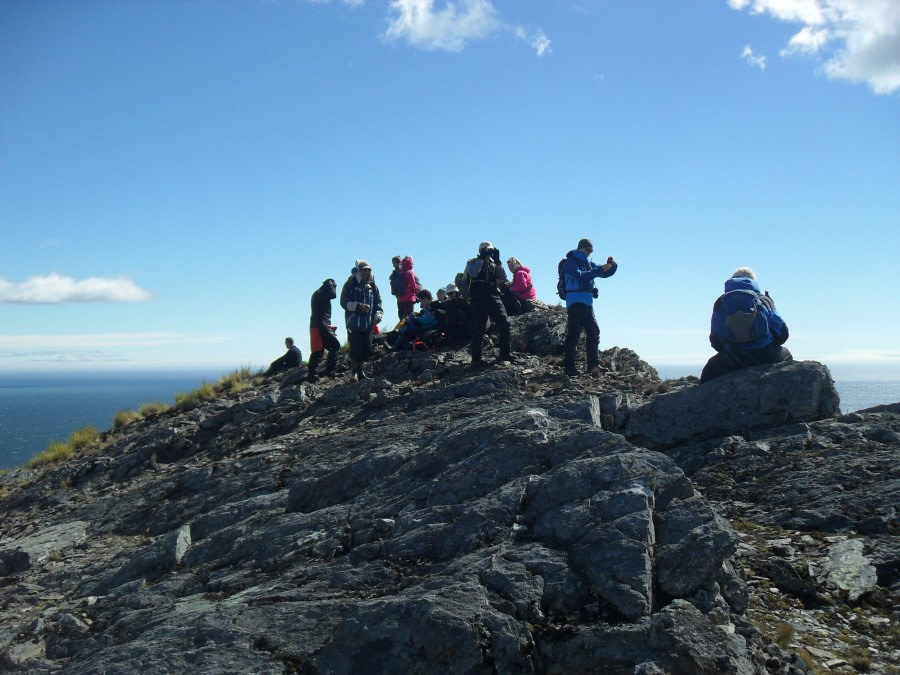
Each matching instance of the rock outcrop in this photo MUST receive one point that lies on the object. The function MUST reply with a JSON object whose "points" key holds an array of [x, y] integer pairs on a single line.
{"points": [[437, 520]]}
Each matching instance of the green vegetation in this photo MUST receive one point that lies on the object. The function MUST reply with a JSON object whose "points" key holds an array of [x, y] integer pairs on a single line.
{"points": [[58, 451], [153, 408], [191, 399], [125, 417], [238, 380], [784, 635]]}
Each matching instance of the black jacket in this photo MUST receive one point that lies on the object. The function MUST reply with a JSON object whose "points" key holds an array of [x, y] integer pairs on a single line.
{"points": [[320, 304]]}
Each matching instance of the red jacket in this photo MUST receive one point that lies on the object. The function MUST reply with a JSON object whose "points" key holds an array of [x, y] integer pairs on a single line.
{"points": [[409, 281]]}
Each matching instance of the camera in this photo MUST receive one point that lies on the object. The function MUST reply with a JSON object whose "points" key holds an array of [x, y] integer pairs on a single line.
{"points": [[596, 293]]}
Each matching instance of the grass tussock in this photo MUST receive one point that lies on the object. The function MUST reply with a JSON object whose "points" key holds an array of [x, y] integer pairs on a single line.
{"points": [[191, 399], [153, 408], [238, 380], [125, 417], [59, 451]]}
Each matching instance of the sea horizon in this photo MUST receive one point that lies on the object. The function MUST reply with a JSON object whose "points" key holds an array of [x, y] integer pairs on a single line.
{"points": [[38, 407]]}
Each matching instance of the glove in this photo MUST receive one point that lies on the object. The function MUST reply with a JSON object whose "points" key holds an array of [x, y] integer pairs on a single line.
{"points": [[495, 254]]}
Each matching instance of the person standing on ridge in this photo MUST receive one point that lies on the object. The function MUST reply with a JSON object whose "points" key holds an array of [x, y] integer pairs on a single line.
{"points": [[406, 301], [361, 302], [579, 274], [321, 332], [483, 276], [745, 330]]}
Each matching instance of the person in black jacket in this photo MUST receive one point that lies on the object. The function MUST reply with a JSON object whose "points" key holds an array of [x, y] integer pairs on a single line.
{"points": [[291, 359], [483, 276], [321, 332]]}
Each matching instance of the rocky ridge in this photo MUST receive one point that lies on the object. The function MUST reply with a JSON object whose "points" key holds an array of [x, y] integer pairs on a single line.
{"points": [[432, 519]]}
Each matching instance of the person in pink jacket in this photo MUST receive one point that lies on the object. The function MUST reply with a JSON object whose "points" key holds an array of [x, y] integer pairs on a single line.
{"points": [[406, 302], [520, 294]]}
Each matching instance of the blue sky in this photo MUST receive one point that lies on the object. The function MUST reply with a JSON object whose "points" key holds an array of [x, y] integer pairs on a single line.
{"points": [[177, 178]]}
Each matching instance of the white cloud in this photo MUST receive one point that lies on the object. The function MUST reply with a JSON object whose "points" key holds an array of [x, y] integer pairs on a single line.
{"points": [[453, 25], [449, 28], [753, 59], [863, 356], [858, 39], [55, 289], [42, 342]]}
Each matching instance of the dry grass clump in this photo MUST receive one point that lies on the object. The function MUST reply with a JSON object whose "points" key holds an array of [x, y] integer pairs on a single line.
{"points": [[125, 417], [238, 380], [59, 451]]}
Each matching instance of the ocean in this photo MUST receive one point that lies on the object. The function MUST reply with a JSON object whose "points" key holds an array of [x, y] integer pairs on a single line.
{"points": [[37, 408]]}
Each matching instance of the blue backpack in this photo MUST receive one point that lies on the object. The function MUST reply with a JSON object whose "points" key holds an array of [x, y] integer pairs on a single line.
{"points": [[561, 280], [742, 320]]}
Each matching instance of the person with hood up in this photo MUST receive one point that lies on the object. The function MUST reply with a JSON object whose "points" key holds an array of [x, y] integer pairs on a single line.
{"points": [[519, 294], [745, 330], [579, 274], [483, 276], [321, 332], [406, 301], [361, 302]]}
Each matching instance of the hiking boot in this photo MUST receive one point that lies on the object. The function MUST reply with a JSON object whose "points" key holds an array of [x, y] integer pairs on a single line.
{"points": [[595, 371], [312, 378], [361, 375], [571, 372], [478, 364]]}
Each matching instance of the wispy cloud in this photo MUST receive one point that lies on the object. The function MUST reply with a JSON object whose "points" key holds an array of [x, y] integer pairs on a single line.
{"points": [[753, 59], [54, 289], [453, 25], [42, 342], [864, 356], [858, 39]]}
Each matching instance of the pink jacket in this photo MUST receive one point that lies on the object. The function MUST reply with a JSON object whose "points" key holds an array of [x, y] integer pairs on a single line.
{"points": [[409, 281], [521, 286]]}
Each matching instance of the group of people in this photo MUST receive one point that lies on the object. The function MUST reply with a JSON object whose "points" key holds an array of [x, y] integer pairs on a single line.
{"points": [[745, 328]]}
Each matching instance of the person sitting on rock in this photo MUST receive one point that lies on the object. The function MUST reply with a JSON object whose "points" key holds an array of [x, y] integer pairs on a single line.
{"points": [[417, 324], [441, 295], [519, 294], [321, 332], [291, 359], [745, 329], [454, 316]]}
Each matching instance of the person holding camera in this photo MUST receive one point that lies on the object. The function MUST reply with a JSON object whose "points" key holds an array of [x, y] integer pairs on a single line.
{"points": [[483, 277], [579, 273]]}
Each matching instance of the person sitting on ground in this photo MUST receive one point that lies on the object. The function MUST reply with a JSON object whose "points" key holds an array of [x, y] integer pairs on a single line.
{"points": [[454, 317], [441, 295], [417, 324], [291, 359], [519, 294], [745, 329], [321, 332]]}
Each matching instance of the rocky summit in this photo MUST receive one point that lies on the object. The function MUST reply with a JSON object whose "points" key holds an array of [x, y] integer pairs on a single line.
{"points": [[437, 520]]}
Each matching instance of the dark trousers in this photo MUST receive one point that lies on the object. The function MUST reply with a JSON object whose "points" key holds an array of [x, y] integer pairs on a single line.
{"points": [[405, 308], [329, 342], [482, 310], [734, 359], [581, 318], [360, 345]]}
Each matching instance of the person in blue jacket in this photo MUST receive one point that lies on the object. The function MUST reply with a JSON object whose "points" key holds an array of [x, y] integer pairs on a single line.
{"points": [[361, 302], [579, 273], [745, 329]]}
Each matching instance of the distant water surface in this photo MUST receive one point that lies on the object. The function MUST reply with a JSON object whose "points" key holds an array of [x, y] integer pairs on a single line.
{"points": [[36, 408]]}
